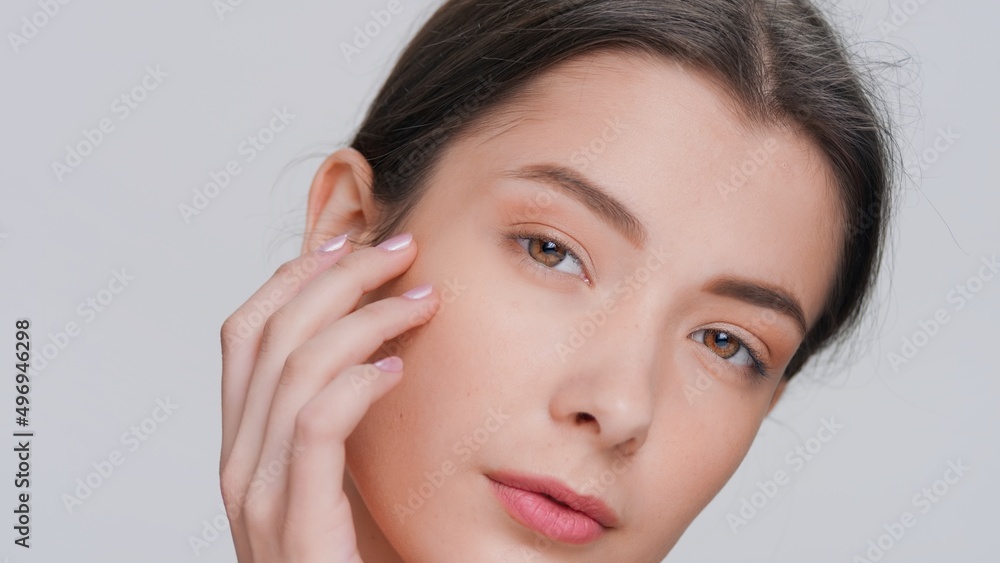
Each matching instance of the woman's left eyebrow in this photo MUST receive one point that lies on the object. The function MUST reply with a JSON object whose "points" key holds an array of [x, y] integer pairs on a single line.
{"points": [[761, 294], [599, 200]]}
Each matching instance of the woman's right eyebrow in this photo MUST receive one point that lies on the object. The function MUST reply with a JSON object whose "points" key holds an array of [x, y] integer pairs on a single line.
{"points": [[599, 200]]}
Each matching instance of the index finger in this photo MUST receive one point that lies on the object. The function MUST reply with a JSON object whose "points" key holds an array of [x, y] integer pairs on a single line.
{"points": [[241, 332]]}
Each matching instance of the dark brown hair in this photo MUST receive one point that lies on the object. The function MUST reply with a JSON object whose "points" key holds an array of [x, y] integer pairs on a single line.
{"points": [[780, 59]]}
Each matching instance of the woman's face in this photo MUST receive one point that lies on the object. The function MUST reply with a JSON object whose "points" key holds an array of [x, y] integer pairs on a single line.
{"points": [[601, 255]]}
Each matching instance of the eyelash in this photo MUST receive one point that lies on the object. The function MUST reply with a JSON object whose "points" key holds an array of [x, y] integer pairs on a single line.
{"points": [[759, 369], [571, 250]]}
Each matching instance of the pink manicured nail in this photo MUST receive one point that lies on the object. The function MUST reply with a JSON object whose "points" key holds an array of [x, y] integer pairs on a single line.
{"points": [[419, 292], [335, 243], [392, 363], [398, 242]]}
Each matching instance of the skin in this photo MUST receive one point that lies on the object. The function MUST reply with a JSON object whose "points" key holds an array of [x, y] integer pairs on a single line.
{"points": [[644, 414]]}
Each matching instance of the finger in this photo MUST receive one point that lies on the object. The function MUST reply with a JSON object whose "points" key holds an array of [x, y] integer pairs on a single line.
{"points": [[318, 520], [349, 341], [241, 332], [241, 335], [331, 295]]}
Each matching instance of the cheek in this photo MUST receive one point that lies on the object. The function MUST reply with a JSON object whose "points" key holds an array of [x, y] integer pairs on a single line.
{"points": [[704, 453], [480, 351], [449, 373], [412, 431], [700, 435]]}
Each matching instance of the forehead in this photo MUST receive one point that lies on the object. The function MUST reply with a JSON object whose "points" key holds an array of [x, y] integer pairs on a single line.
{"points": [[724, 196]]}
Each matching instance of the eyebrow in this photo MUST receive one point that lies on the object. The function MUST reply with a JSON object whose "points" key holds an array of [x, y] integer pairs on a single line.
{"points": [[599, 200], [619, 217], [761, 295]]}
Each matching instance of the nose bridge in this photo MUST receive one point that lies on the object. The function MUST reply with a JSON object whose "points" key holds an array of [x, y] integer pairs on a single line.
{"points": [[627, 307], [608, 386]]}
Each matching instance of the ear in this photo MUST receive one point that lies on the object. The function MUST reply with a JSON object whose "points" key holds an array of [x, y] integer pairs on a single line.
{"points": [[340, 199], [777, 394]]}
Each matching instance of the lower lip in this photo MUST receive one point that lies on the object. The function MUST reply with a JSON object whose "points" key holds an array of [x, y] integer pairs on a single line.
{"points": [[546, 516]]}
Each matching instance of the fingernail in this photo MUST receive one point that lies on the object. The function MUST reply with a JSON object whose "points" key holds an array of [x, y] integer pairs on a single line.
{"points": [[419, 292], [392, 363], [398, 242], [335, 243]]}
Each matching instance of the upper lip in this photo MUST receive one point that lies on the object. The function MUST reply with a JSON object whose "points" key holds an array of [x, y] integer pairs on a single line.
{"points": [[556, 489]]}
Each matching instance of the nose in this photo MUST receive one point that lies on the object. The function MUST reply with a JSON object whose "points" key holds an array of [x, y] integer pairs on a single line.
{"points": [[607, 391]]}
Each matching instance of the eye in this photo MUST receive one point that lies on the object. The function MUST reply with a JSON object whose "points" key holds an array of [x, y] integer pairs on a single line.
{"points": [[551, 253], [729, 347]]}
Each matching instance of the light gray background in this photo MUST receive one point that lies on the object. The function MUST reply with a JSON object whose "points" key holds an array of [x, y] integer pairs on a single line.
{"points": [[61, 241]]}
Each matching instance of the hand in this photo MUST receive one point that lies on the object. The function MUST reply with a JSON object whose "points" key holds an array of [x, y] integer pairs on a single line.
{"points": [[294, 386]]}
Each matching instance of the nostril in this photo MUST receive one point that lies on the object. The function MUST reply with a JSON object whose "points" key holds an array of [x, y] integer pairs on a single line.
{"points": [[583, 417]]}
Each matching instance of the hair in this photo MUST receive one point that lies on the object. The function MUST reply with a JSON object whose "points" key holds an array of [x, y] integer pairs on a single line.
{"points": [[779, 59]]}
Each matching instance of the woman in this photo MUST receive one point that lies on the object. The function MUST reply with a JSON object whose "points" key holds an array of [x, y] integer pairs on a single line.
{"points": [[601, 236]]}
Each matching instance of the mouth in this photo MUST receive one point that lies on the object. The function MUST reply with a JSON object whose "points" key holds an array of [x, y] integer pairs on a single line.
{"points": [[551, 508]]}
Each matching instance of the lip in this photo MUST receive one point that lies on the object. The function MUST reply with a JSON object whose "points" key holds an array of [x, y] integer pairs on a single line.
{"points": [[551, 508]]}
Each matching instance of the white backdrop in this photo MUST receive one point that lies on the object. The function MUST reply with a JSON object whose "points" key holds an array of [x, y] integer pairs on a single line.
{"points": [[126, 292]]}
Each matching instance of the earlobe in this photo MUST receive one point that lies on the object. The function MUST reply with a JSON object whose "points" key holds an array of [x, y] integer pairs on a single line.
{"points": [[340, 199]]}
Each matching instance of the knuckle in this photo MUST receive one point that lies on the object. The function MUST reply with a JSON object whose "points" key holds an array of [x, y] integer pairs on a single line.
{"points": [[274, 326], [229, 331], [296, 363], [284, 270], [259, 508], [257, 513], [233, 486], [313, 424]]}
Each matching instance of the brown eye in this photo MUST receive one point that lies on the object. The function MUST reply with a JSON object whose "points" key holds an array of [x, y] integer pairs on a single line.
{"points": [[547, 252], [721, 343], [730, 348], [551, 254]]}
